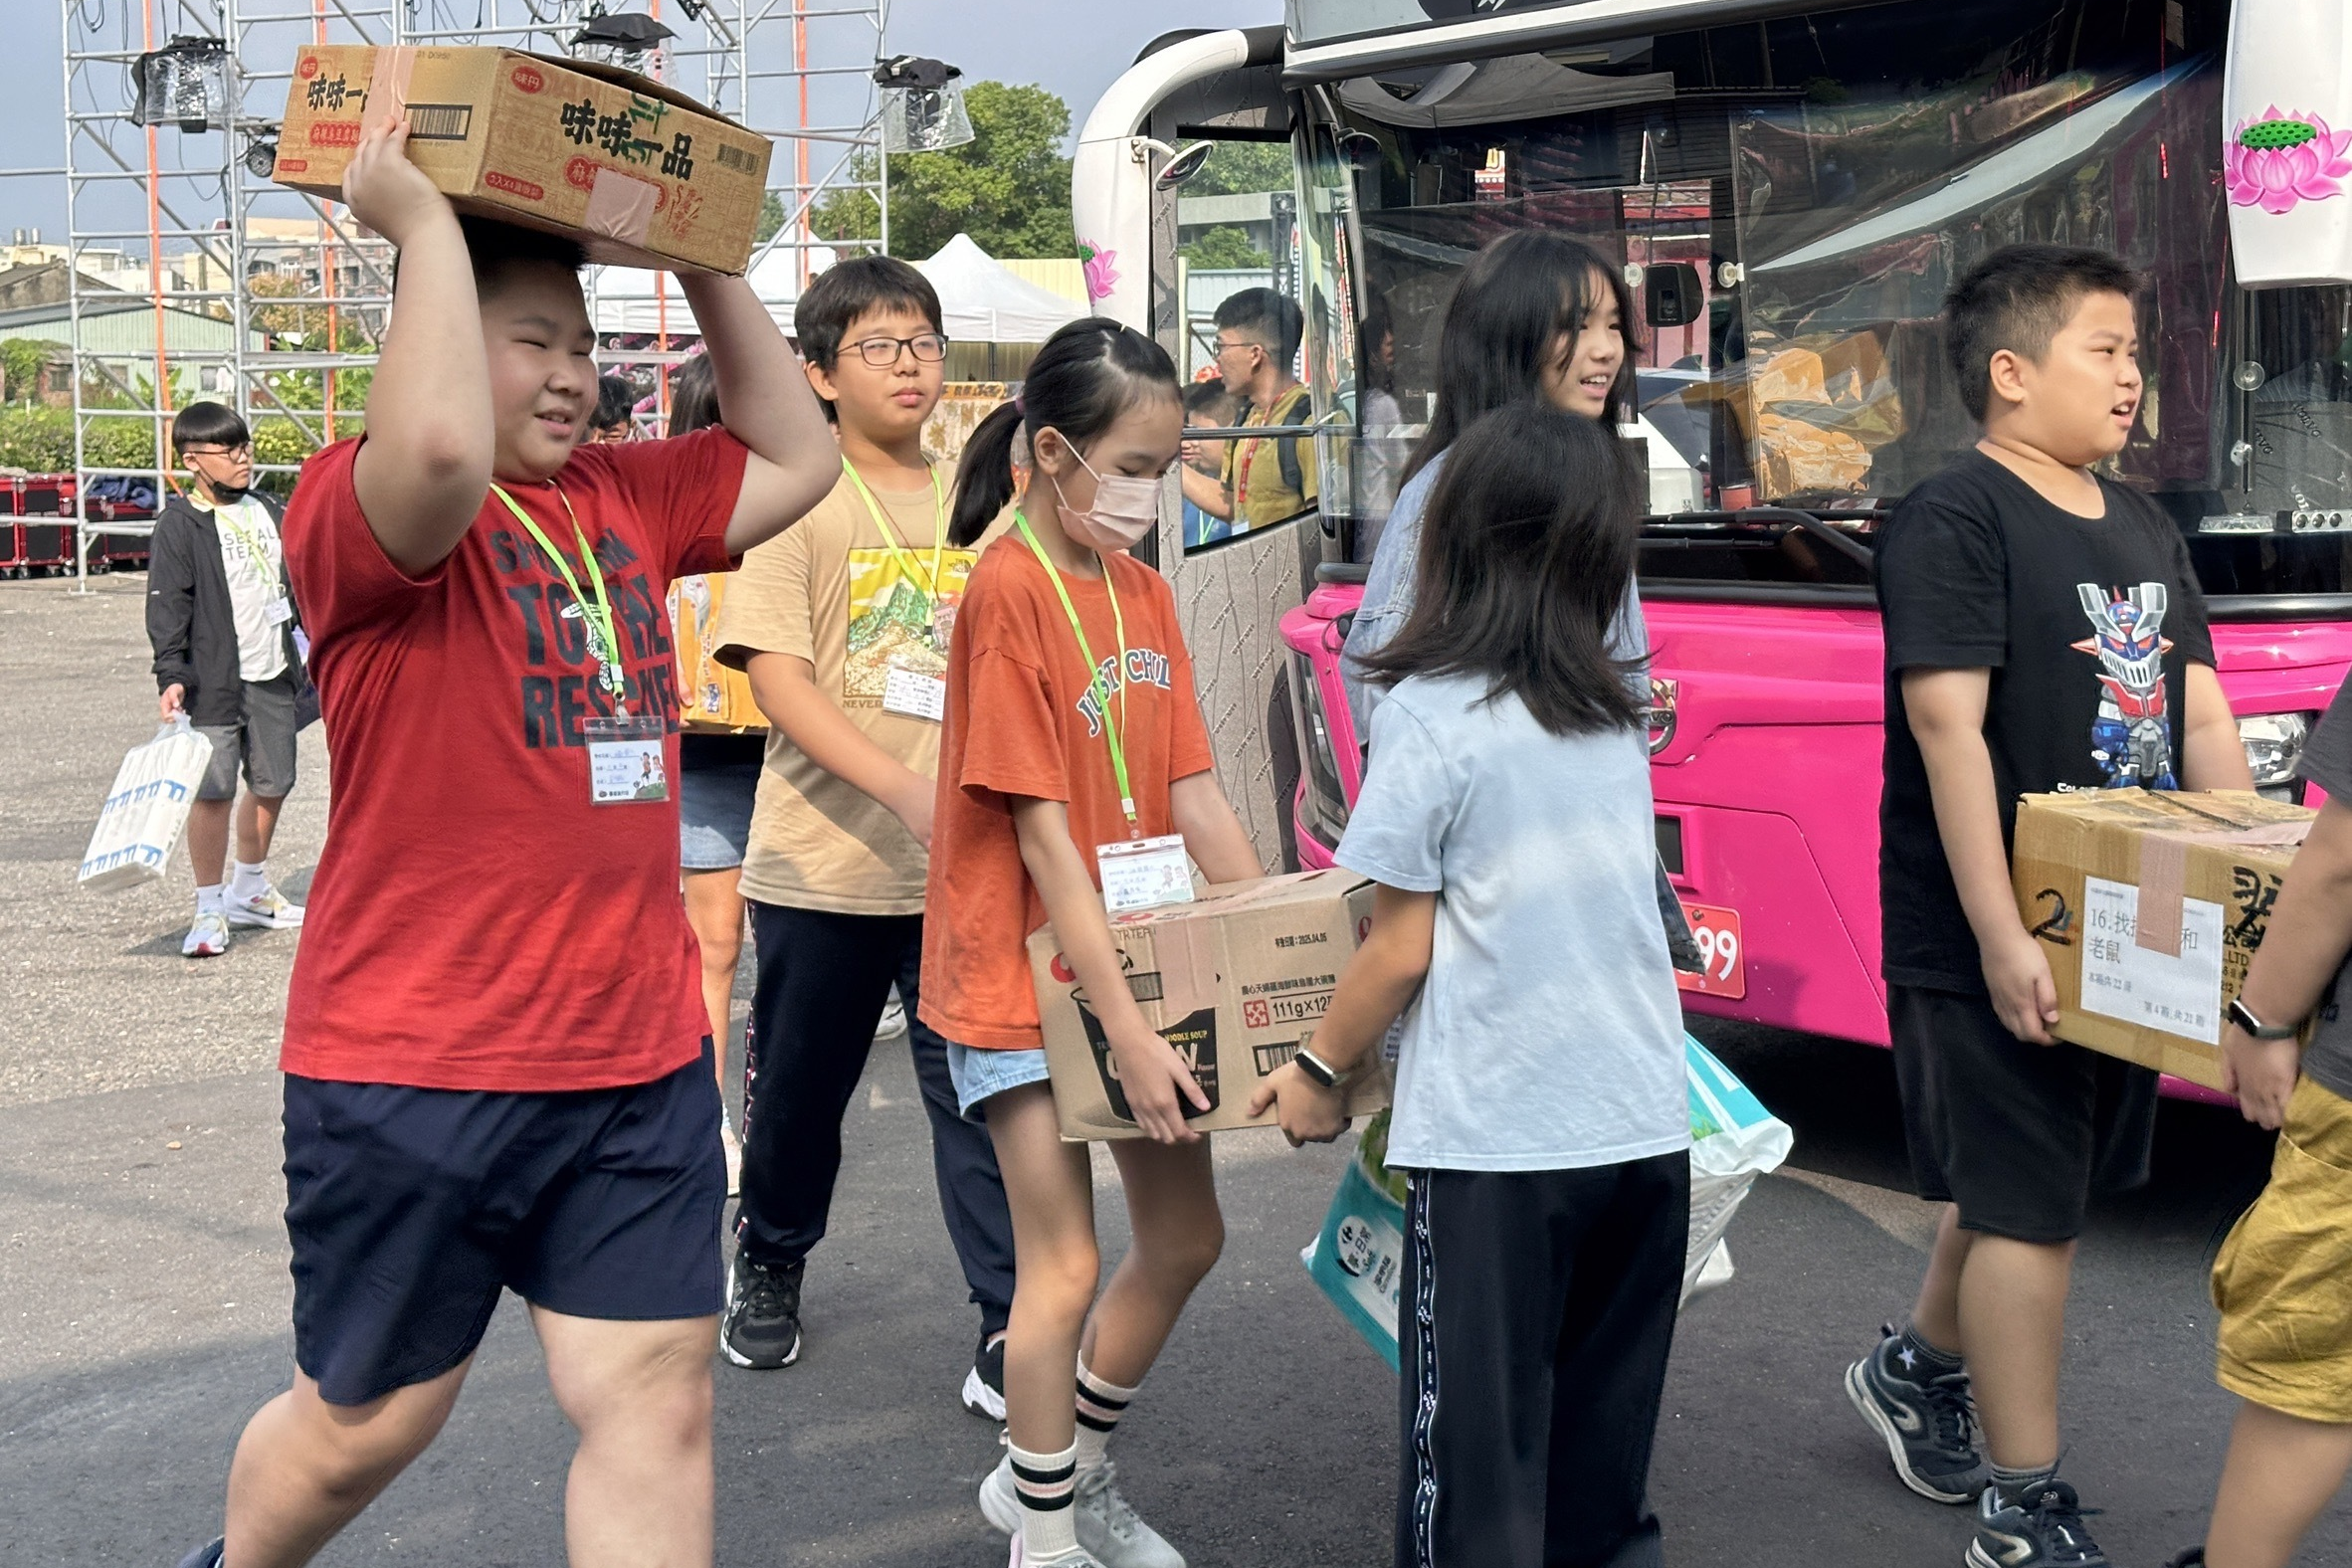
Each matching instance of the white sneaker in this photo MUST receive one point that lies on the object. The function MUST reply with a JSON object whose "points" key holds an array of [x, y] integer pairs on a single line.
{"points": [[1108, 1530], [1075, 1557], [208, 936], [893, 1019], [734, 1152], [269, 910]]}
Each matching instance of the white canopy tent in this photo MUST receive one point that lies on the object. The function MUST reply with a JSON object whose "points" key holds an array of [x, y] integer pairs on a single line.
{"points": [[983, 303], [627, 300], [980, 301]]}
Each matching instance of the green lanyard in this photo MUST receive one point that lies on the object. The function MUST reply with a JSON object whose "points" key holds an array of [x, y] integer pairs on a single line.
{"points": [[602, 645], [930, 589], [255, 551], [1110, 731]]}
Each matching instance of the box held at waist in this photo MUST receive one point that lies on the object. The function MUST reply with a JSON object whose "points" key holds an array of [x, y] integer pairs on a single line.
{"points": [[642, 175], [2149, 907], [1237, 981]]}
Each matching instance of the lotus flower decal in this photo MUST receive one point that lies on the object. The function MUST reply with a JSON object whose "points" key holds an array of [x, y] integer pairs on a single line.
{"points": [[2281, 159], [1100, 276]]}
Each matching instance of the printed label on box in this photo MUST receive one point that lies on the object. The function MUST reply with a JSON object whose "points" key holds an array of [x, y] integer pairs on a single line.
{"points": [[2123, 980]]}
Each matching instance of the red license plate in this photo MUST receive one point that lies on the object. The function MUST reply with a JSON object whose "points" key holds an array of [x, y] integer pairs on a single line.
{"points": [[1726, 966]]}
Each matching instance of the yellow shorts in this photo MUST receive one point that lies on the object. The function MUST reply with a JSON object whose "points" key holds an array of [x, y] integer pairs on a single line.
{"points": [[2283, 1280]]}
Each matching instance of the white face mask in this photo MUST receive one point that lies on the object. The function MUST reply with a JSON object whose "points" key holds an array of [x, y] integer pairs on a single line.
{"points": [[1125, 509]]}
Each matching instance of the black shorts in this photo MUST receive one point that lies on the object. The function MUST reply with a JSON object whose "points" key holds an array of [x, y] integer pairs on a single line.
{"points": [[2019, 1136], [410, 1209]]}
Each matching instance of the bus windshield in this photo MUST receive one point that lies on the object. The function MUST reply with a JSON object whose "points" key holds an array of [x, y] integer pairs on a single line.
{"points": [[1793, 199]]}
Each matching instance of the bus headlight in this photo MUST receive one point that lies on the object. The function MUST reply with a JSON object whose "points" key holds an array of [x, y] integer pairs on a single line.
{"points": [[2274, 746]]}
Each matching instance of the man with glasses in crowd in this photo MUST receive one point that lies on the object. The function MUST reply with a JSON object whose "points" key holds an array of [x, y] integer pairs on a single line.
{"points": [[221, 619], [1266, 480]]}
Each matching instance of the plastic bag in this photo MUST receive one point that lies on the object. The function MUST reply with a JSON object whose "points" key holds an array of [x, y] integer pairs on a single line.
{"points": [[146, 809], [1358, 1258]]}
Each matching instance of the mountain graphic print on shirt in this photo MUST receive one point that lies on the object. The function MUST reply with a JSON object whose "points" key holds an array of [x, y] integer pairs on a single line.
{"points": [[2131, 739]]}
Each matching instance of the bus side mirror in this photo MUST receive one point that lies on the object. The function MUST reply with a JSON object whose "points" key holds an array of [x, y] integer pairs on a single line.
{"points": [[1673, 295], [1182, 166]]}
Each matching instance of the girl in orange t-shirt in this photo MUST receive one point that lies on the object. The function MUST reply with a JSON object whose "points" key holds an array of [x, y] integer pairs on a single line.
{"points": [[1072, 724]]}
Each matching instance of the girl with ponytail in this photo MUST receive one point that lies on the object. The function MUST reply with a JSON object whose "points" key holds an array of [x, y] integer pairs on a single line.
{"points": [[1073, 730]]}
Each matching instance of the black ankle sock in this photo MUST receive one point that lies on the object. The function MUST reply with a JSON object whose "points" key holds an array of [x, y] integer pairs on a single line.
{"points": [[1918, 1360]]}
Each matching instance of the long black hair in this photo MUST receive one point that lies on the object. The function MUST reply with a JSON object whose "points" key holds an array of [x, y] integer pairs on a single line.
{"points": [[1535, 524], [1503, 325], [693, 396], [1085, 377]]}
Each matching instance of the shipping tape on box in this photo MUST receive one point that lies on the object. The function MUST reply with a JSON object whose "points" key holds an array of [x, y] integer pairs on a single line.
{"points": [[2149, 907]]}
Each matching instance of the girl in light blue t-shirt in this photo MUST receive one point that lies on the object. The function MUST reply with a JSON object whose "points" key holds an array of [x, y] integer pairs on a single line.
{"points": [[1540, 1105]]}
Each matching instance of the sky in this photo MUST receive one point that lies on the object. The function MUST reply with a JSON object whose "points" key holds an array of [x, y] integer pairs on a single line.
{"points": [[1076, 48]]}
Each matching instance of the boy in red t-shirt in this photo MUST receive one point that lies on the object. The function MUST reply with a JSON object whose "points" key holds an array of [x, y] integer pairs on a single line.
{"points": [[496, 1058]]}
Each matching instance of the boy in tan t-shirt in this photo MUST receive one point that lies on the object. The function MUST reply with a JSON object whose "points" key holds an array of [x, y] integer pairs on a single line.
{"points": [[843, 626]]}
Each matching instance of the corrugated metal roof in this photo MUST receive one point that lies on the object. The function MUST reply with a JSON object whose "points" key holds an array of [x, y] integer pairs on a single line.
{"points": [[112, 334]]}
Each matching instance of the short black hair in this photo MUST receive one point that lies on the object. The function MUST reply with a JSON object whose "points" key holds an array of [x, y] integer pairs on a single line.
{"points": [[207, 424], [851, 288], [2018, 298], [1277, 321], [499, 249], [1202, 396], [616, 397]]}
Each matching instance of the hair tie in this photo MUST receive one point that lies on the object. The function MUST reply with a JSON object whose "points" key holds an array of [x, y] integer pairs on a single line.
{"points": [[1020, 405]]}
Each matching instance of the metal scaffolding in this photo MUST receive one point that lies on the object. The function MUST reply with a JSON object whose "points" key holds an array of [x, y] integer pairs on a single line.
{"points": [[301, 291]]}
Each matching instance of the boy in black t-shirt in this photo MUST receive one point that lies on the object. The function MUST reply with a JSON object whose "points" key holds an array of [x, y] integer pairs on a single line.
{"points": [[2045, 630]]}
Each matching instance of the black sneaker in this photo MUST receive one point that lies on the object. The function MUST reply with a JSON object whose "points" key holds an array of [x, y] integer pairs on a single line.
{"points": [[2042, 1528], [1928, 1424], [2194, 1557], [204, 1556], [984, 1385], [762, 1329]]}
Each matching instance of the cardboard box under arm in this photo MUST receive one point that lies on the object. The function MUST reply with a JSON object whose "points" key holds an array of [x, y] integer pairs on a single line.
{"points": [[2149, 907], [1236, 981]]}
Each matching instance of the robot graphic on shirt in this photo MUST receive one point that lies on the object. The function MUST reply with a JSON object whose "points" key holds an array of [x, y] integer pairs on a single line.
{"points": [[2131, 739]]}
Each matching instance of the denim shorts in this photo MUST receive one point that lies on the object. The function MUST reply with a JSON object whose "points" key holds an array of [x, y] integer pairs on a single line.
{"points": [[714, 814], [980, 1076]]}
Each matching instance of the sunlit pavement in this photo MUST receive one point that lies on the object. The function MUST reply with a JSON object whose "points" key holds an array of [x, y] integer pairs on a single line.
{"points": [[143, 1287]]}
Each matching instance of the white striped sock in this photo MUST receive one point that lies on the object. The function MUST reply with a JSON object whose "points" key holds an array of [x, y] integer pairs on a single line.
{"points": [[1100, 1404], [1046, 1485]]}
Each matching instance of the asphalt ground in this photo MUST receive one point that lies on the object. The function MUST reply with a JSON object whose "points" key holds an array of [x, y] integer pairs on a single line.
{"points": [[143, 1290]]}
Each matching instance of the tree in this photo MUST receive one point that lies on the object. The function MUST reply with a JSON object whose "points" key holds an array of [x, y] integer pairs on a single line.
{"points": [[771, 218], [1226, 247], [1241, 167], [1008, 187]]}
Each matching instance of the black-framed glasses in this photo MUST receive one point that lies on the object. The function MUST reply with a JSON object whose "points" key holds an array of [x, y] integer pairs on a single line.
{"points": [[243, 449], [883, 353]]}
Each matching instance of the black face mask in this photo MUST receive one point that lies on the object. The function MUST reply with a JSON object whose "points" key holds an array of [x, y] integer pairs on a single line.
{"points": [[229, 492]]}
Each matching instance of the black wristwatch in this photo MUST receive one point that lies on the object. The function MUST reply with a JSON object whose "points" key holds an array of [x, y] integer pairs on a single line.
{"points": [[1316, 1068], [2243, 1016]]}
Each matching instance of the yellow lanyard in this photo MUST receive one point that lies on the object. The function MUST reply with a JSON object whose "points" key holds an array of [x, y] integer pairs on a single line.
{"points": [[928, 589], [1110, 731], [603, 647]]}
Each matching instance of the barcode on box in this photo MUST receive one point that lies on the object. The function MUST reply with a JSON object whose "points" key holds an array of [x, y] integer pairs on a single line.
{"points": [[737, 158], [440, 122], [1273, 1057], [1146, 985]]}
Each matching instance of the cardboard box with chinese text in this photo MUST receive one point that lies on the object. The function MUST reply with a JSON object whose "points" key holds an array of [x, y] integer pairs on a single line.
{"points": [[2149, 907], [640, 175], [1236, 980]]}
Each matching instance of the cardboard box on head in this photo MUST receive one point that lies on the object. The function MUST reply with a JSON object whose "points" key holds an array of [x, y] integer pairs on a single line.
{"points": [[642, 175], [2149, 907], [1236, 981]]}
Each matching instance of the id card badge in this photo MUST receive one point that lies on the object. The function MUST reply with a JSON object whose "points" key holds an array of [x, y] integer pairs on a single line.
{"points": [[625, 760], [278, 611], [914, 692], [1145, 871]]}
